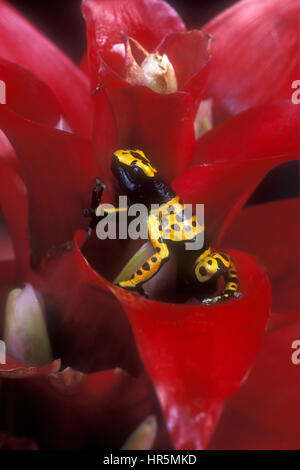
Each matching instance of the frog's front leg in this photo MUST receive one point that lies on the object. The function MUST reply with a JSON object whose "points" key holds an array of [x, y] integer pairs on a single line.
{"points": [[154, 263], [95, 201], [97, 211], [213, 265]]}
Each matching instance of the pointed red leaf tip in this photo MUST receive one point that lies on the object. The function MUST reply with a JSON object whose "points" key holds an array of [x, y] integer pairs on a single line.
{"points": [[190, 54], [231, 160], [23, 44], [255, 56], [146, 21], [16, 370], [196, 355], [28, 96]]}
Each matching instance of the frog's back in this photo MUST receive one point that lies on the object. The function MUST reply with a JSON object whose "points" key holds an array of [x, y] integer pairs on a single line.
{"points": [[177, 223]]}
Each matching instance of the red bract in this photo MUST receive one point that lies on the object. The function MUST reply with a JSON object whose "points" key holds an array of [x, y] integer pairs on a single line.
{"points": [[256, 45], [48, 64], [200, 355], [273, 384], [250, 420], [59, 129]]}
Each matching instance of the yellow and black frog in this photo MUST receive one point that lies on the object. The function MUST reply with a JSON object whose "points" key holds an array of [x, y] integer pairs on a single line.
{"points": [[170, 227]]}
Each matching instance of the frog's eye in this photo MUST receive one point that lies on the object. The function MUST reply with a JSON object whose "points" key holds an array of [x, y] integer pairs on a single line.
{"points": [[136, 170]]}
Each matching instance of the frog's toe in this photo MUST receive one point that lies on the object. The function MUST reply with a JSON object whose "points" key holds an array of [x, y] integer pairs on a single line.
{"points": [[127, 286], [210, 300], [99, 183], [237, 295], [230, 295], [221, 298]]}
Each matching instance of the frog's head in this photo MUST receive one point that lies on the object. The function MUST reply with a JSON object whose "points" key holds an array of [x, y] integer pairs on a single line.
{"points": [[132, 169]]}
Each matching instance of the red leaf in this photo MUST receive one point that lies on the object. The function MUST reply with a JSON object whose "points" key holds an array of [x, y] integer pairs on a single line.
{"points": [[23, 44], [235, 157], [264, 131], [58, 169], [7, 257], [223, 188], [104, 134], [16, 370], [189, 53], [239, 431], [197, 356], [163, 126], [271, 233], [14, 206], [255, 56], [28, 96], [7, 154], [281, 320], [7, 268], [269, 398]]}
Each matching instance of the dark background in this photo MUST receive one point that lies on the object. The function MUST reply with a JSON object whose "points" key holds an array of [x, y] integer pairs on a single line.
{"points": [[61, 20]]}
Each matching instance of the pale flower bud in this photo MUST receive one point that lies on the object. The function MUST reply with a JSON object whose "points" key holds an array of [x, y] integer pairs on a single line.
{"points": [[155, 71], [143, 437], [25, 332], [159, 74], [204, 118]]}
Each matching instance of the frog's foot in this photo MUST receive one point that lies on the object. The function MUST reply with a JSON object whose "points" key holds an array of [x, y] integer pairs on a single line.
{"points": [[221, 298], [99, 185], [95, 201], [128, 285]]}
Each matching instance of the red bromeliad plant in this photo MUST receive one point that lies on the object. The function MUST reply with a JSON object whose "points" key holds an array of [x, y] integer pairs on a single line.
{"points": [[124, 357]]}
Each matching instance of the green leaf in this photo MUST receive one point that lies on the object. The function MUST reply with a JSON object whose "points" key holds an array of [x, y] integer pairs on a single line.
{"points": [[135, 262]]}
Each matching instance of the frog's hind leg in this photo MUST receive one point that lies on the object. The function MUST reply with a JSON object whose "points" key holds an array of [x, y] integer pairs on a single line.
{"points": [[210, 266], [154, 263], [231, 288]]}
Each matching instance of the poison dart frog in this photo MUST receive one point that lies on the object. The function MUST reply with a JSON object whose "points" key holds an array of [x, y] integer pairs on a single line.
{"points": [[169, 228]]}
